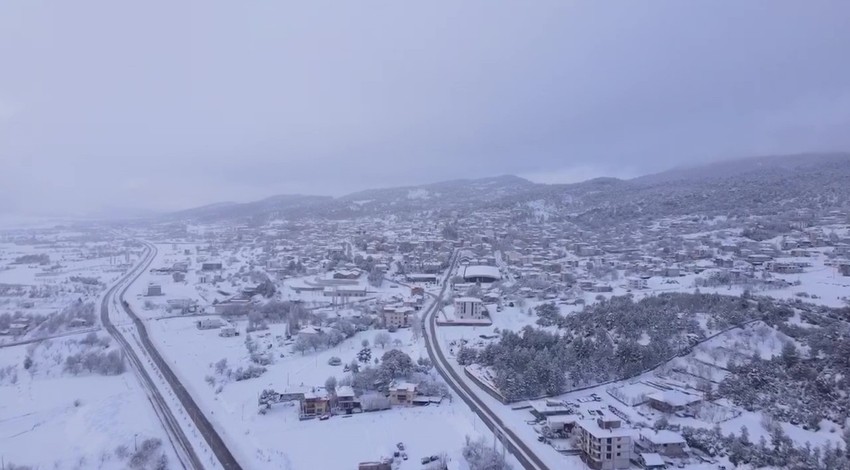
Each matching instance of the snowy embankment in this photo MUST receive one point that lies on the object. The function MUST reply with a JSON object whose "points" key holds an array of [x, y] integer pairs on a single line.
{"points": [[89, 421]]}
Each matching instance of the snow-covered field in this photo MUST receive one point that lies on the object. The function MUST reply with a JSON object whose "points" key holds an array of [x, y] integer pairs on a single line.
{"points": [[51, 419], [278, 439]]}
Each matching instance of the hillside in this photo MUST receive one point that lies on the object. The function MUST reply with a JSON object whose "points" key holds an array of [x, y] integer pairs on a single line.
{"points": [[753, 186]]}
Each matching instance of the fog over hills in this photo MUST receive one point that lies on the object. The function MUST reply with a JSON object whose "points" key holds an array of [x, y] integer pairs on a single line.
{"points": [[758, 184]]}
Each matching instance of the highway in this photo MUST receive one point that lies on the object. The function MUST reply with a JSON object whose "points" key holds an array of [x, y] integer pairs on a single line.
{"points": [[182, 446], [214, 441], [526, 457]]}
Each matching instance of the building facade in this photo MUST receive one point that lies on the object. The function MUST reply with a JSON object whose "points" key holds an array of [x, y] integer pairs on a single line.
{"points": [[469, 307], [604, 444]]}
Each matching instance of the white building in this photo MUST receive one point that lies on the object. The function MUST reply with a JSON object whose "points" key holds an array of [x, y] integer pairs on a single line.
{"points": [[344, 292], [480, 273], [604, 444], [637, 283], [664, 442], [469, 307]]}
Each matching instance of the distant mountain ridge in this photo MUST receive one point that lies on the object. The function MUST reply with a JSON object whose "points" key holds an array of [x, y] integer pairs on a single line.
{"points": [[750, 184]]}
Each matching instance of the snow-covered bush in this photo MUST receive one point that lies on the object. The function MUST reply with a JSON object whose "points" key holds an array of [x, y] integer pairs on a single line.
{"points": [[479, 456]]}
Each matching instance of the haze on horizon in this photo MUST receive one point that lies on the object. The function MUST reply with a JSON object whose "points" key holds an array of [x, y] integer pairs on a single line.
{"points": [[168, 105]]}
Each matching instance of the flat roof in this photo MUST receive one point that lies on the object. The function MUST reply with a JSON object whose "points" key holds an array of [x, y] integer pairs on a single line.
{"points": [[592, 427], [663, 436]]}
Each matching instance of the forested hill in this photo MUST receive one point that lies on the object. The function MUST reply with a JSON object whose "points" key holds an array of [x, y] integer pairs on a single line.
{"points": [[756, 186]]}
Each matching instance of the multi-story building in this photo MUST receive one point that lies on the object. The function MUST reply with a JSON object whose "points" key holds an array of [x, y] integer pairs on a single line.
{"points": [[469, 307], [397, 316], [314, 404], [604, 444], [346, 401], [402, 393]]}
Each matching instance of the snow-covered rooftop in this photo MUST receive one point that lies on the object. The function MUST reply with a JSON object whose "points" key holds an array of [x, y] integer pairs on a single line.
{"points": [[675, 397], [595, 430], [475, 271], [663, 436]]}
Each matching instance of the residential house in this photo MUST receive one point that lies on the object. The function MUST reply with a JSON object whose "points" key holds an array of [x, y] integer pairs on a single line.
{"points": [[309, 330], [18, 328], [402, 393], [346, 401], [664, 442], [672, 401], [314, 404]]}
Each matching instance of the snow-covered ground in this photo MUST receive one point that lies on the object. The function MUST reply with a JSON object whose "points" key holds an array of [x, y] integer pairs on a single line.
{"points": [[278, 439], [50, 419]]}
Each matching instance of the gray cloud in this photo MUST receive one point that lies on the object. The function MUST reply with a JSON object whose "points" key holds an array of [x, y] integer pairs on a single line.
{"points": [[166, 105]]}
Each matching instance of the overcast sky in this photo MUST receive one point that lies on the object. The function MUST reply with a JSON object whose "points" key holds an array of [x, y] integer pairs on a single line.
{"points": [[166, 105]]}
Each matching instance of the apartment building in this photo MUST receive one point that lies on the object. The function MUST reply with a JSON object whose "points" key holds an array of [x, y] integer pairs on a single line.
{"points": [[604, 444]]}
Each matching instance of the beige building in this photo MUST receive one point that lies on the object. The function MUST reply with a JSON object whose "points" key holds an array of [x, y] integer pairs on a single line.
{"points": [[397, 316], [604, 444], [402, 393]]}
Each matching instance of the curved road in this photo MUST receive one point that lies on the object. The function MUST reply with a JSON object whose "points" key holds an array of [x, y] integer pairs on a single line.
{"points": [[203, 425], [182, 445], [526, 457]]}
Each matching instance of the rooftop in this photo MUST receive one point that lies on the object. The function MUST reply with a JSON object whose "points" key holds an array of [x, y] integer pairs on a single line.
{"points": [[675, 397], [593, 428], [663, 436]]}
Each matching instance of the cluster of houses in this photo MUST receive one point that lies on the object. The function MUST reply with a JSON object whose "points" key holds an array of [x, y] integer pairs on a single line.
{"points": [[666, 250], [321, 403], [602, 440]]}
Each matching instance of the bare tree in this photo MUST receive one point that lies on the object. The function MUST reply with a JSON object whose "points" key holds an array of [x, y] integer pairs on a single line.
{"points": [[382, 339]]}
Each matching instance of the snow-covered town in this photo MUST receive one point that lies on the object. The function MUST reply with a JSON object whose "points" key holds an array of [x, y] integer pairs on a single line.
{"points": [[414, 341], [439, 235]]}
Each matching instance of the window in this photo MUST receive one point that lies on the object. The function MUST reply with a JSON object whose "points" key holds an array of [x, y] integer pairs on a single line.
{"points": [[618, 454], [608, 456]]}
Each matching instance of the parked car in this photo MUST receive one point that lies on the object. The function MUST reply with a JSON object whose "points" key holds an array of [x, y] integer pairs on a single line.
{"points": [[334, 361], [324, 417]]}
